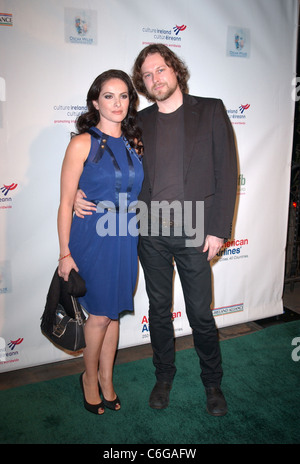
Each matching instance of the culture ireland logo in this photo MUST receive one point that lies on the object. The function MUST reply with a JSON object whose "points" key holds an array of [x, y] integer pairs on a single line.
{"points": [[12, 344], [5, 199], [7, 188], [11, 355], [178, 29], [170, 36], [242, 108], [238, 115]]}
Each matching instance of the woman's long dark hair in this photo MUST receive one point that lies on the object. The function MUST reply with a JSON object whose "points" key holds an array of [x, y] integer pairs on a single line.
{"points": [[91, 118]]}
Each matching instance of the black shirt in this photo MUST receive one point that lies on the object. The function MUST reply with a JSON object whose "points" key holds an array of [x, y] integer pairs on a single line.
{"points": [[168, 182]]}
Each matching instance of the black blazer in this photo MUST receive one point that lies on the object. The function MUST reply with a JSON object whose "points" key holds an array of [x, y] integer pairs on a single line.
{"points": [[210, 161]]}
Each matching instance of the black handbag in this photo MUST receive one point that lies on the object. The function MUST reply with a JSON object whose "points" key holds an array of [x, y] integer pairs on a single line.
{"points": [[63, 319]]}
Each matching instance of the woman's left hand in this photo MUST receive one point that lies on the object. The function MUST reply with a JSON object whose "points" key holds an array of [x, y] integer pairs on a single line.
{"points": [[65, 266]]}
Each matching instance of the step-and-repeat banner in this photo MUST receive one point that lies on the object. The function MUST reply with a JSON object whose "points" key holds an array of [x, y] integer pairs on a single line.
{"points": [[242, 52]]}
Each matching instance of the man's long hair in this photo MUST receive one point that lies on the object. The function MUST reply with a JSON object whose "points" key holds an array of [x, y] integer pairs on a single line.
{"points": [[171, 60]]}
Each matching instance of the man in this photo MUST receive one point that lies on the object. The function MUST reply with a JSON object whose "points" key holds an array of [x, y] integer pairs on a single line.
{"points": [[189, 158]]}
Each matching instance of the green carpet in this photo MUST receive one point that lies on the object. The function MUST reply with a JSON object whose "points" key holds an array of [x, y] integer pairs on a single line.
{"points": [[261, 384]]}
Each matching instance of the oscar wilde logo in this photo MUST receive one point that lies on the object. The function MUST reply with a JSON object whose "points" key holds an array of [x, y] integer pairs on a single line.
{"points": [[80, 26], [238, 42], [7, 188]]}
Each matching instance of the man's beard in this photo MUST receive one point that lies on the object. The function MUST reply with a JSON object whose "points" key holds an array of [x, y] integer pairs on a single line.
{"points": [[164, 95]]}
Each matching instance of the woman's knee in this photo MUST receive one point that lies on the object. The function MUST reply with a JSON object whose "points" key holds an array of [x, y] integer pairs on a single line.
{"points": [[99, 321]]}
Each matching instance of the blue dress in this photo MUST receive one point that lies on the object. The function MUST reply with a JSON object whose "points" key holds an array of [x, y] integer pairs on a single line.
{"points": [[104, 245]]}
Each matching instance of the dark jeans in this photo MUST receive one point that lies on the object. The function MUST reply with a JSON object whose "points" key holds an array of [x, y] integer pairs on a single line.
{"points": [[156, 257]]}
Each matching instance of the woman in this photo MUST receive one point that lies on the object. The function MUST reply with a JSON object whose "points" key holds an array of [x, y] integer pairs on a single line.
{"points": [[104, 161]]}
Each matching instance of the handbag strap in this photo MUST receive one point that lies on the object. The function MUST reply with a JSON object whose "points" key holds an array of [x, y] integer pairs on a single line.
{"points": [[77, 311]]}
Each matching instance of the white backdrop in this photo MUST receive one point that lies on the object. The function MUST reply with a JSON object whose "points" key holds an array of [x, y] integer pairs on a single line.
{"points": [[242, 52]]}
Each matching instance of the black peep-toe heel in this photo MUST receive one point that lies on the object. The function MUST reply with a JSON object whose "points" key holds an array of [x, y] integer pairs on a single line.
{"points": [[112, 404], [93, 408]]}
